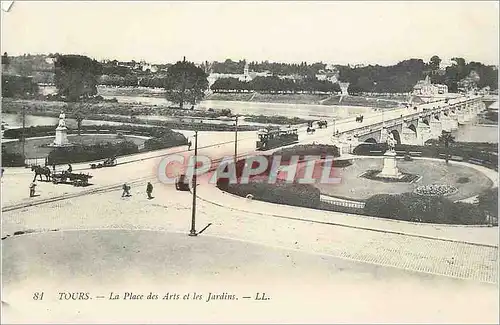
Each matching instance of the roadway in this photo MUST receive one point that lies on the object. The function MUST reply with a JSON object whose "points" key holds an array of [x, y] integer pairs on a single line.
{"points": [[140, 168], [102, 243]]}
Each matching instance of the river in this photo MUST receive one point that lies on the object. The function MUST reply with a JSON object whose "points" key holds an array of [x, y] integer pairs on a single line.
{"points": [[305, 111]]}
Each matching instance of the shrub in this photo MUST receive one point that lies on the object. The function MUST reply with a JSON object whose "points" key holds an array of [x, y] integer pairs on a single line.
{"points": [[386, 206], [91, 152], [302, 195], [10, 159], [166, 139], [417, 208], [488, 202]]}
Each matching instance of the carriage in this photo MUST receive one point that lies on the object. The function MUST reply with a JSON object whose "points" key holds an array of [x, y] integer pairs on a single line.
{"points": [[322, 124], [276, 138], [66, 177], [110, 162]]}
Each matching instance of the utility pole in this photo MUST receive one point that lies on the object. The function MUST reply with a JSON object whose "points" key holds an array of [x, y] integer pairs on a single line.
{"points": [[236, 140], [193, 208]]}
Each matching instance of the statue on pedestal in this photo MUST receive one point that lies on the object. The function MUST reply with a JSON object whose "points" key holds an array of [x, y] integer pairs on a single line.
{"points": [[391, 142], [62, 120]]}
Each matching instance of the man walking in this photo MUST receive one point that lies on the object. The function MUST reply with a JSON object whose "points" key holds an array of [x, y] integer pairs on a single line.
{"points": [[32, 189], [149, 190], [126, 190], [189, 145]]}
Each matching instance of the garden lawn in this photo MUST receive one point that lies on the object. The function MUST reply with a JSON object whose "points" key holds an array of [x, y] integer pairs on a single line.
{"points": [[433, 172], [34, 149]]}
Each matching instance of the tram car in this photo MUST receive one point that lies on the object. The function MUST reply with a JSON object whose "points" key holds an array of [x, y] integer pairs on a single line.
{"points": [[276, 138]]}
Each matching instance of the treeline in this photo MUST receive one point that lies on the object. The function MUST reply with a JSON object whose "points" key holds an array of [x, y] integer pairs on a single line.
{"points": [[132, 81], [281, 69], [274, 84], [402, 77]]}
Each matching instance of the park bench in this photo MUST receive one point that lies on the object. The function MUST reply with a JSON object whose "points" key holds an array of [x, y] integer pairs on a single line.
{"points": [[476, 161], [415, 153], [375, 151]]}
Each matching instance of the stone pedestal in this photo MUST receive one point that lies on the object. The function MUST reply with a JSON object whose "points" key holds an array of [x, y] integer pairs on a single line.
{"points": [[390, 170], [61, 139]]}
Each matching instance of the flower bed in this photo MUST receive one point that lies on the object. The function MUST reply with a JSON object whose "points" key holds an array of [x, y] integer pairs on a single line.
{"points": [[436, 190]]}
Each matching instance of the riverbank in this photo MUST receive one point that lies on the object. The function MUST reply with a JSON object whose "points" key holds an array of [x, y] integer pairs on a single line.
{"points": [[306, 99]]}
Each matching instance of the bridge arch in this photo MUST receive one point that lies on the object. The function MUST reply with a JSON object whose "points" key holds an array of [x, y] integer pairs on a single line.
{"points": [[396, 136], [370, 140], [413, 128]]}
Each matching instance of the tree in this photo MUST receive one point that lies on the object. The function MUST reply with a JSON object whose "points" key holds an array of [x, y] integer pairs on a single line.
{"points": [[446, 138], [185, 82], [435, 62], [76, 76], [78, 113]]}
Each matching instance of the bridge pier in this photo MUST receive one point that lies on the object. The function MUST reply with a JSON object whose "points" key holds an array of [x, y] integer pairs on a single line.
{"points": [[423, 134], [408, 136], [448, 123], [436, 128]]}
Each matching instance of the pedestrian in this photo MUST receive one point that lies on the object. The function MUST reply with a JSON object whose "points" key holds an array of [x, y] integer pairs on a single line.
{"points": [[189, 145], [126, 190], [70, 168], [32, 189], [149, 190], [54, 168], [2, 172]]}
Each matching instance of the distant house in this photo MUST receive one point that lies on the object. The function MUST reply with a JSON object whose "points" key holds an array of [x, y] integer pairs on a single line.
{"points": [[426, 88], [246, 76]]}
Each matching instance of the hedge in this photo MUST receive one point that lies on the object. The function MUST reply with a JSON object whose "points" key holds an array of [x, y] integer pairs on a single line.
{"points": [[77, 154], [275, 120], [416, 208], [46, 130], [489, 159], [321, 150], [301, 195]]}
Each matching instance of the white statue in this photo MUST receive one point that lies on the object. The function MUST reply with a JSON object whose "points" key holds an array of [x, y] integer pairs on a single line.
{"points": [[62, 120], [391, 142]]}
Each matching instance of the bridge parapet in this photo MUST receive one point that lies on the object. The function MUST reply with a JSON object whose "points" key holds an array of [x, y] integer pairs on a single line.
{"points": [[444, 114]]}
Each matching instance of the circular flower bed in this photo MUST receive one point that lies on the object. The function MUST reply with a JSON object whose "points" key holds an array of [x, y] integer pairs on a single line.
{"points": [[436, 190]]}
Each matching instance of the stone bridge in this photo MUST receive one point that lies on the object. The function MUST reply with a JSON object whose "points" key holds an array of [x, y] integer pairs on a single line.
{"points": [[422, 123]]}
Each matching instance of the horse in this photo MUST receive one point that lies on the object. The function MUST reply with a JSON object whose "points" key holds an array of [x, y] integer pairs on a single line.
{"points": [[39, 171], [310, 130]]}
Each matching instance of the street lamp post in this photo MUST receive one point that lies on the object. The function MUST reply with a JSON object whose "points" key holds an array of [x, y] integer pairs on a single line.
{"points": [[193, 208]]}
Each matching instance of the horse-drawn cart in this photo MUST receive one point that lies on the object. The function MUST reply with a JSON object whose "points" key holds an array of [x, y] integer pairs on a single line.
{"points": [[71, 178], [110, 162]]}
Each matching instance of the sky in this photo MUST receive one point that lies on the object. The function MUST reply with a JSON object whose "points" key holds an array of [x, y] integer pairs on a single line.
{"points": [[332, 32]]}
